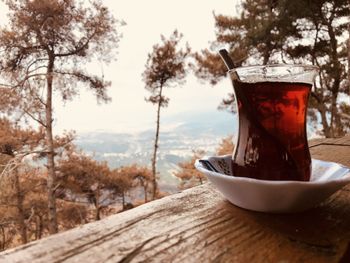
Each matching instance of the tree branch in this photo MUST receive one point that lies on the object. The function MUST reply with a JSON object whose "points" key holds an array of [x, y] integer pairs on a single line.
{"points": [[33, 70], [77, 49], [34, 118], [31, 215], [344, 115], [34, 62]]}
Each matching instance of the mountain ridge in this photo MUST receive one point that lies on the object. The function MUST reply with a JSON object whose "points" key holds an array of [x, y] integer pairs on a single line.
{"points": [[187, 133]]}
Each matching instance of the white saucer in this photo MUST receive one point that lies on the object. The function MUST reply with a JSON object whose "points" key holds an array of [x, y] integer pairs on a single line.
{"points": [[274, 196]]}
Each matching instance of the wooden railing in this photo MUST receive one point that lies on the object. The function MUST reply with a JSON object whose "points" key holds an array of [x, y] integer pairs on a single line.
{"points": [[199, 225]]}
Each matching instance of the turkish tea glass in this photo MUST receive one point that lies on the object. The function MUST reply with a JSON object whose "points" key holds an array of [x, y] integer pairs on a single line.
{"points": [[272, 107]]}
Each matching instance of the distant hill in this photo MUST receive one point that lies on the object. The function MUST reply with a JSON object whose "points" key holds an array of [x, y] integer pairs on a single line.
{"points": [[179, 135]]}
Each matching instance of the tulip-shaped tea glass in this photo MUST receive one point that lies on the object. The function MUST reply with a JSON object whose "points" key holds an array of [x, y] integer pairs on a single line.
{"points": [[272, 106]]}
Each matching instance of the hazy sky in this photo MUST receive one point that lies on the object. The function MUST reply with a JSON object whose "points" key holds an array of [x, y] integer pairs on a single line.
{"points": [[146, 21]]}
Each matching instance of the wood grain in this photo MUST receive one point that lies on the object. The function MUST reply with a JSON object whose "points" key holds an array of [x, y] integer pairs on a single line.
{"points": [[199, 225]]}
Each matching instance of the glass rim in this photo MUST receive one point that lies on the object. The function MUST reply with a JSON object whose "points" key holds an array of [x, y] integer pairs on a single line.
{"points": [[280, 65]]}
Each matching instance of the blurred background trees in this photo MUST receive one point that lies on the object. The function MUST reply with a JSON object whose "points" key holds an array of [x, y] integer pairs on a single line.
{"points": [[86, 189], [82, 178], [21, 201], [44, 48], [310, 32], [189, 176], [126, 178]]}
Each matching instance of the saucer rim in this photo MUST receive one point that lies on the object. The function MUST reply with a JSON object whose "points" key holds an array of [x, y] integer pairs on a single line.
{"points": [[344, 179]]}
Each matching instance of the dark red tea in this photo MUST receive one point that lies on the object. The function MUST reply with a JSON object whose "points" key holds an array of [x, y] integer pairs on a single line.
{"points": [[272, 143]]}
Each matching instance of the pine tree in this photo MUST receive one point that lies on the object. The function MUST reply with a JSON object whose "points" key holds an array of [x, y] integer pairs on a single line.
{"points": [[43, 53], [165, 68], [189, 176]]}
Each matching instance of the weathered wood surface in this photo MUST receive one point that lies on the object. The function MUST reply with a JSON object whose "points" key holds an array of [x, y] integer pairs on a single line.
{"points": [[199, 225]]}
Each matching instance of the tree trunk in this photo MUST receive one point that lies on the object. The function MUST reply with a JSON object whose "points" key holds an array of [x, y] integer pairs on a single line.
{"points": [[200, 180], [21, 215], [266, 56], [123, 200], [326, 128], [38, 227], [97, 205], [323, 112], [334, 113], [154, 159], [336, 76], [319, 96], [98, 213], [3, 238], [51, 177], [145, 190]]}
